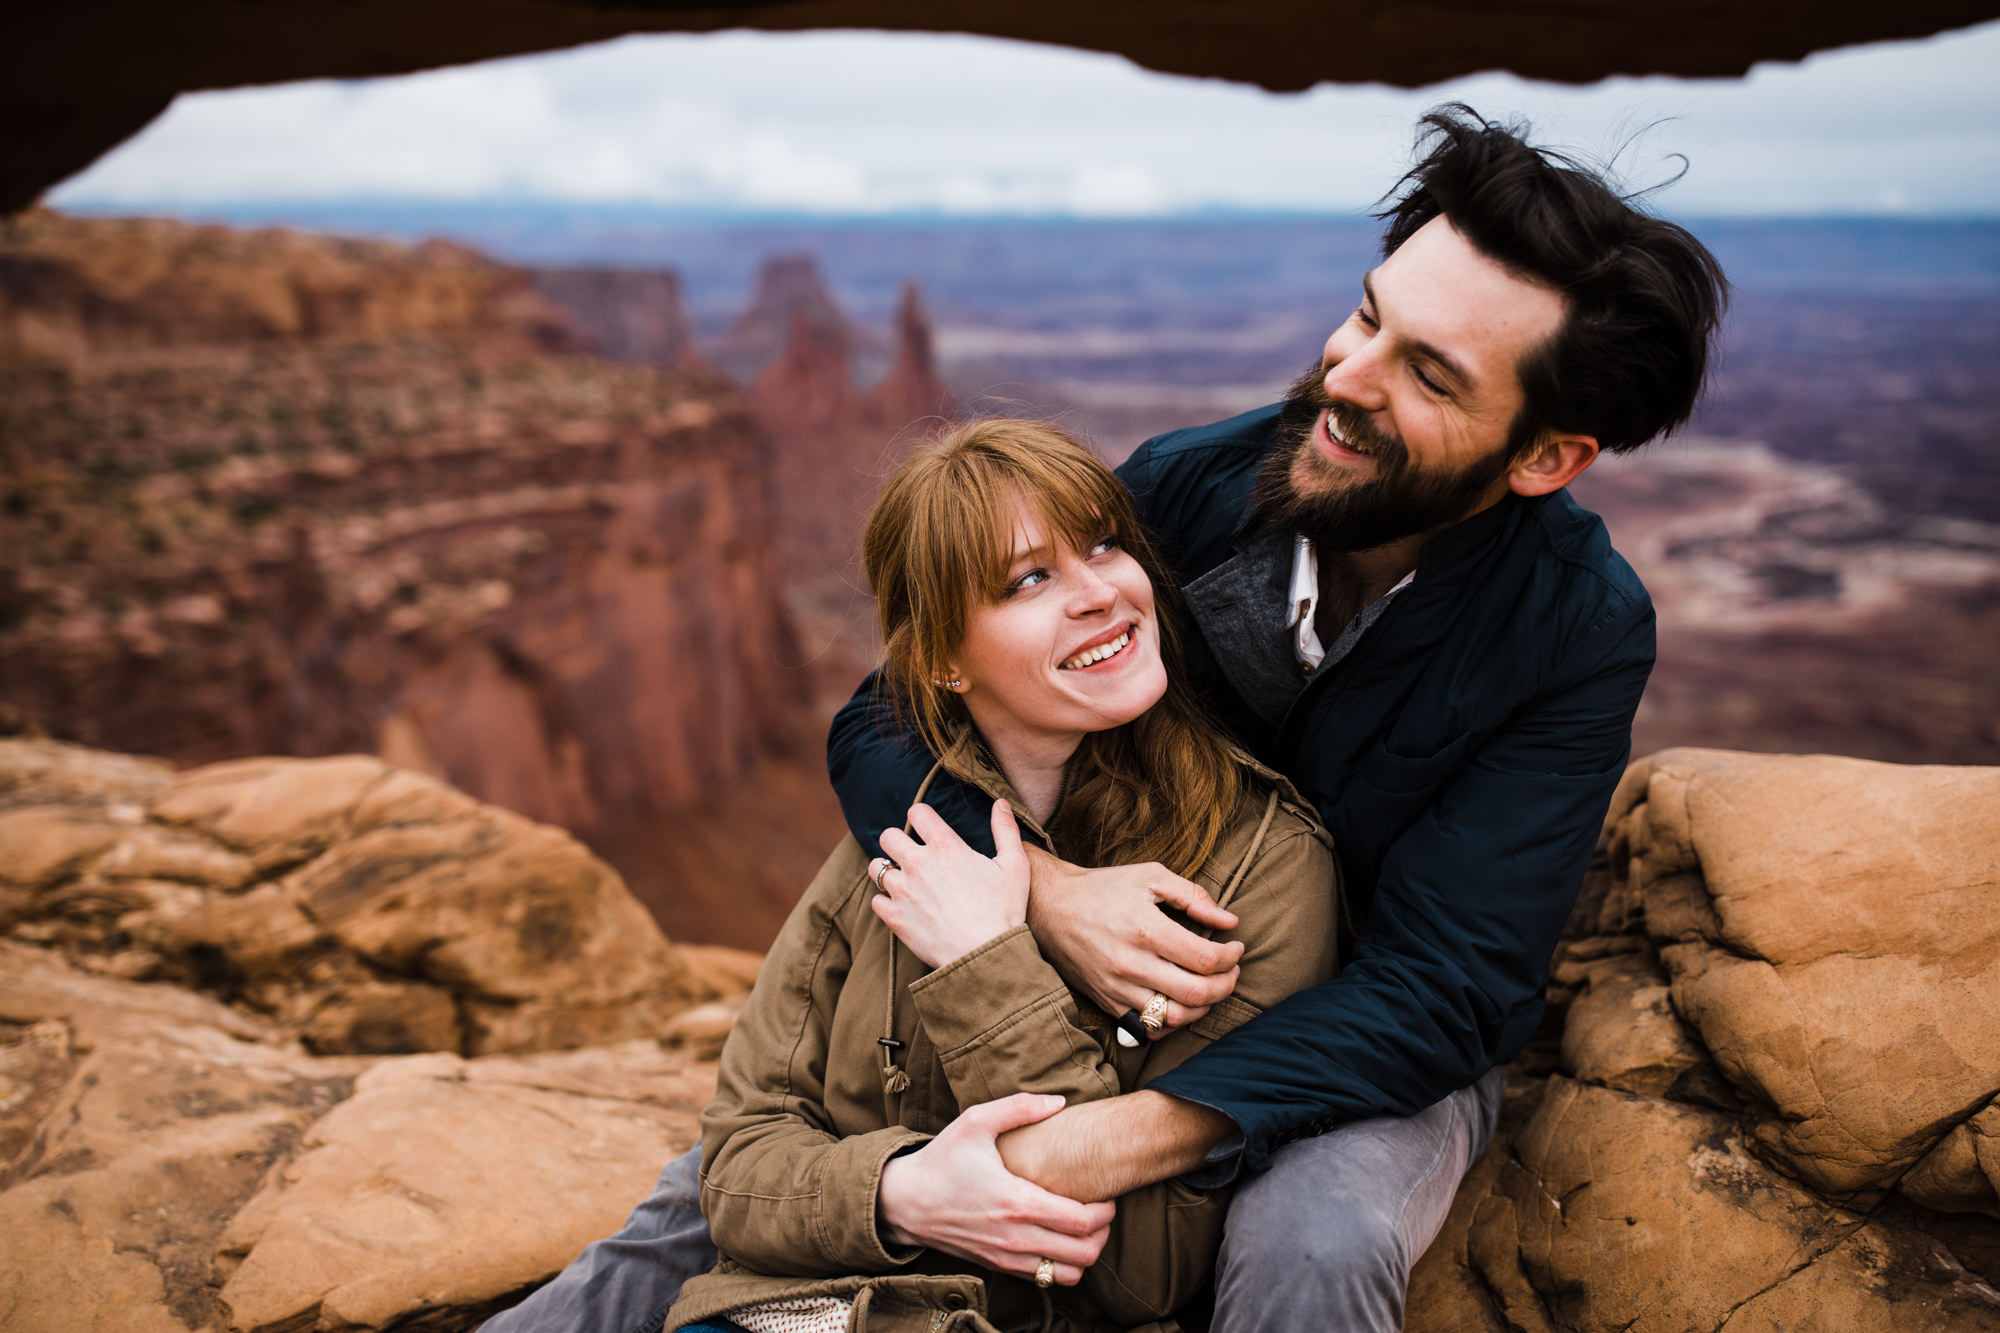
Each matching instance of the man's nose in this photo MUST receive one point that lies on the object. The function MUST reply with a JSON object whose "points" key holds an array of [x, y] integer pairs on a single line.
{"points": [[1357, 379]]}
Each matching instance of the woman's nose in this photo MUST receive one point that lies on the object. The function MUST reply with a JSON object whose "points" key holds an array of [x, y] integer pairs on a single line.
{"points": [[1089, 592]]}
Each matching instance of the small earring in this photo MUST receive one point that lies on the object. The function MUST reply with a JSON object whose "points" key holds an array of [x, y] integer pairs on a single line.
{"points": [[953, 684]]}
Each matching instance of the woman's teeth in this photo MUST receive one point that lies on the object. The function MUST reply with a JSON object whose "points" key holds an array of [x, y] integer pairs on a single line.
{"points": [[1097, 654]]}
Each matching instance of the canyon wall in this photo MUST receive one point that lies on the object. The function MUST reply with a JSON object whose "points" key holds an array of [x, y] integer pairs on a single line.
{"points": [[269, 493]]}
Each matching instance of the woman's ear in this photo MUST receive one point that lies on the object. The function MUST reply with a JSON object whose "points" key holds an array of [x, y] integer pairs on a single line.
{"points": [[1553, 463]]}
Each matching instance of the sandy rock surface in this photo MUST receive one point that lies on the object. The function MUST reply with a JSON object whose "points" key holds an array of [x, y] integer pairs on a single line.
{"points": [[1775, 1106], [366, 909], [202, 1123], [167, 1163], [1766, 1099]]}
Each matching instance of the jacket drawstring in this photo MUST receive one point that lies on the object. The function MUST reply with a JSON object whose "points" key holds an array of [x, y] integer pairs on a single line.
{"points": [[896, 1079], [1256, 845]]}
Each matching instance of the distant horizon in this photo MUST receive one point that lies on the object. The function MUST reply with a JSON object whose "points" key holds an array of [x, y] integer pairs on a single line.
{"points": [[251, 211]]}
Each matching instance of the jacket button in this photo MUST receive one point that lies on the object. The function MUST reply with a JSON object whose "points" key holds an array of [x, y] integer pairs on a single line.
{"points": [[954, 1300]]}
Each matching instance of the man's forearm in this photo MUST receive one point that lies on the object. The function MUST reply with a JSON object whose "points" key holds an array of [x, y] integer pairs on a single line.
{"points": [[1100, 1150]]}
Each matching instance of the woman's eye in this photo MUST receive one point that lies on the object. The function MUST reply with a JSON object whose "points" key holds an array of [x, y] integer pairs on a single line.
{"points": [[1028, 580], [1106, 544]]}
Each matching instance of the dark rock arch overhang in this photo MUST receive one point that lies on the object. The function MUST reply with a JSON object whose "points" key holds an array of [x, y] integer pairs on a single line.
{"points": [[77, 79]]}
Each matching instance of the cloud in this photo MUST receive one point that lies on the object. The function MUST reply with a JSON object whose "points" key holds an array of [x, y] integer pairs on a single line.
{"points": [[858, 123]]}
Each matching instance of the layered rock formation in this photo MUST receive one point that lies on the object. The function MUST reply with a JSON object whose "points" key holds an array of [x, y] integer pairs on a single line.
{"points": [[790, 302], [267, 493], [1773, 1105], [629, 314], [834, 443], [198, 1129], [76, 294]]}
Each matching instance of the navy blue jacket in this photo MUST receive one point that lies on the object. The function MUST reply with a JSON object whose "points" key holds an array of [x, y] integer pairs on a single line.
{"points": [[1463, 755]]}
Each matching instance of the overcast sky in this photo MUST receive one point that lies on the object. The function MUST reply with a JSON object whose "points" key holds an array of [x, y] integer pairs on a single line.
{"points": [[863, 122]]}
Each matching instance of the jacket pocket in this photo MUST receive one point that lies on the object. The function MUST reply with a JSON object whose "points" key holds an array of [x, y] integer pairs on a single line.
{"points": [[1387, 770]]}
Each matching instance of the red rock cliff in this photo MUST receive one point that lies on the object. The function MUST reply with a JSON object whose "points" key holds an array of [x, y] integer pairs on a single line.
{"points": [[267, 493]]}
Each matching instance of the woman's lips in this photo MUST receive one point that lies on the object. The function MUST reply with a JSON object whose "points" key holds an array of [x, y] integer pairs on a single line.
{"points": [[1101, 652]]}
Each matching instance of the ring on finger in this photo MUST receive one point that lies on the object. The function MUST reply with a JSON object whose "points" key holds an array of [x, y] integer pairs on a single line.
{"points": [[1154, 1016], [883, 865], [1045, 1273]]}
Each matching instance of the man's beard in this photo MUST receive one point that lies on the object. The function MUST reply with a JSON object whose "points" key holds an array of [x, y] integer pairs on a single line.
{"points": [[1400, 500]]}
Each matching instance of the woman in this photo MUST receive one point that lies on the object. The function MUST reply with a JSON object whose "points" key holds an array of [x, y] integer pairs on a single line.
{"points": [[1020, 624]]}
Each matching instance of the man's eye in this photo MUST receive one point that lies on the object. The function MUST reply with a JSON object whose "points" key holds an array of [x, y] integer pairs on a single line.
{"points": [[1424, 378], [1362, 317]]}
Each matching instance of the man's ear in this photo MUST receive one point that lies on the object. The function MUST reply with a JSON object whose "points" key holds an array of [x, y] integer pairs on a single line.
{"points": [[1554, 462]]}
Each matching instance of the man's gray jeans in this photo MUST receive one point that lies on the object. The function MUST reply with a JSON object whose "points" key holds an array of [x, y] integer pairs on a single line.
{"points": [[1325, 1239]]}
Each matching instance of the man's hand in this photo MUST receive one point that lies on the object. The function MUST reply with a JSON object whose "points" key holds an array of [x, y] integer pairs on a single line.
{"points": [[954, 1194], [1105, 932]]}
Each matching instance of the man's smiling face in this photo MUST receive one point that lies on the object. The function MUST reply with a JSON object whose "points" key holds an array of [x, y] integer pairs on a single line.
{"points": [[1404, 425]]}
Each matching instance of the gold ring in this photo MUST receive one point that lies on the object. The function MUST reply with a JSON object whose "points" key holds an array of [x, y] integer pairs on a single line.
{"points": [[1154, 1016], [1045, 1273], [886, 866]]}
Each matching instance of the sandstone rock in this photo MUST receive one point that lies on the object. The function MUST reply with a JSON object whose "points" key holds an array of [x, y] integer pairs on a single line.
{"points": [[1830, 931], [1622, 1030], [169, 1164], [445, 1184], [635, 315], [150, 1114], [1776, 1109], [913, 390], [365, 909], [724, 970], [1633, 1213], [791, 303], [701, 1031]]}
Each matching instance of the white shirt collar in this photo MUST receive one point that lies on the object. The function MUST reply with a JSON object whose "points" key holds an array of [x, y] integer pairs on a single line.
{"points": [[1303, 601]]}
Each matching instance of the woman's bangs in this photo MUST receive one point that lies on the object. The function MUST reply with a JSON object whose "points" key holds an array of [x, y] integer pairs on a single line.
{"points": [[1078, 501]]}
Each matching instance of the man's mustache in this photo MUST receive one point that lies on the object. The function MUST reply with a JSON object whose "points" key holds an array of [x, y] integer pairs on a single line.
{"points": [[1309, 398]]}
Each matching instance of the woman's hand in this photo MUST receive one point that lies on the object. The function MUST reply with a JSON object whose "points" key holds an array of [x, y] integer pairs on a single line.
{"points": [[954, 1194], [941, 898]]}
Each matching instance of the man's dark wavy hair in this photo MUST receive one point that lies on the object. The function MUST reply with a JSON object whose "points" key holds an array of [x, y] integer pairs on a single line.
{"points": [[1644, 296]]}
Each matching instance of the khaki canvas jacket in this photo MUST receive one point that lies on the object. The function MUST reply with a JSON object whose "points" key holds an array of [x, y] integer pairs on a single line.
{"points": [[810, 1104]]}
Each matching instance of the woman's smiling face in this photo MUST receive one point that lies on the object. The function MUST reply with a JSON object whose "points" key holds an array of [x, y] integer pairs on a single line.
{"points": [[1071, 646]]}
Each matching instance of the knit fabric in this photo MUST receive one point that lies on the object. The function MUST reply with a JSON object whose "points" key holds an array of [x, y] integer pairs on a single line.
{"points": [[811, 1314]]}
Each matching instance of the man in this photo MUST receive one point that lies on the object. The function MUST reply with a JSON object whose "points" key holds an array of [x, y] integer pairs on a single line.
{"points": [[1395, 602]]}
